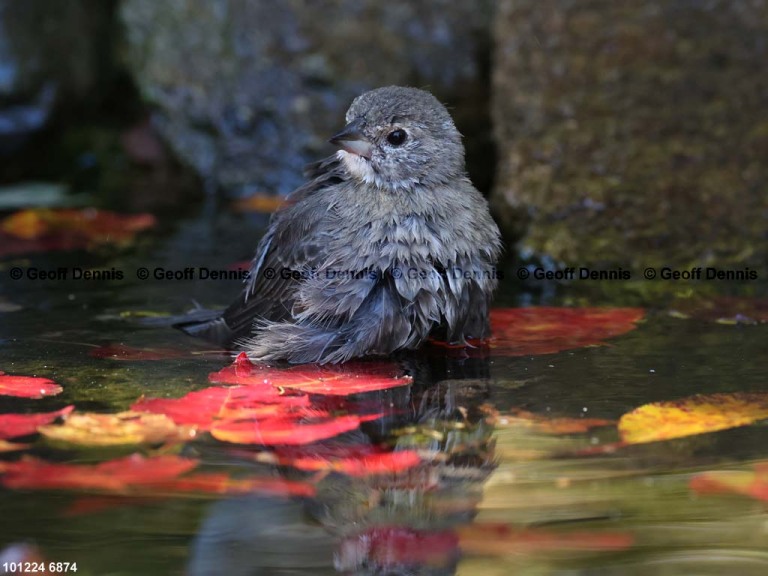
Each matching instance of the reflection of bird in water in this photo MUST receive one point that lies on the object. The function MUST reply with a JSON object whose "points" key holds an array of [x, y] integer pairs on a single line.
{"points": [[346, 524], [253, 535]]}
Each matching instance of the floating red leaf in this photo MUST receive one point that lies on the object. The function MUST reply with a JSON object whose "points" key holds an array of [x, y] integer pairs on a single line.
{"points": [[197, 408], [546, 330], [341, 380], [202, 407], [14, 425], [27, 386], [114, 475]]}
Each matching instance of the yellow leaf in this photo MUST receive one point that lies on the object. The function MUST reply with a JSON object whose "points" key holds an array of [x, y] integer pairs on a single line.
{"points": [[693, 415], [124, 428]]}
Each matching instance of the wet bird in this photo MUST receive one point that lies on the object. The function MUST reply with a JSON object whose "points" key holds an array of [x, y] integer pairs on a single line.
{"points": [[388, 243]]}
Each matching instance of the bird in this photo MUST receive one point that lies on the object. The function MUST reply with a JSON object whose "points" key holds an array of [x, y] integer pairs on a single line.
{"points": [[386, 245]]}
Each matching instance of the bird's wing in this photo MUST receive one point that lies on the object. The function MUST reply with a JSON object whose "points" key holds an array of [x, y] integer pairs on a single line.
{"points": [[295, 244]]}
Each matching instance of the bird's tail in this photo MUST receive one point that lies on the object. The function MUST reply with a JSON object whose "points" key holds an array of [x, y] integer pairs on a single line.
{"points": [[198, 322], [212, 328]]}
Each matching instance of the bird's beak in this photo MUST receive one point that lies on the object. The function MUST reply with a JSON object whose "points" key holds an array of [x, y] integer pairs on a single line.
{"points": [[352, 140]]}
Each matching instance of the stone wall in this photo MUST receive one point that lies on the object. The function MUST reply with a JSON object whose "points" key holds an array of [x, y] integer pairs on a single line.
{"points": [[247, 92], [633, 133]]}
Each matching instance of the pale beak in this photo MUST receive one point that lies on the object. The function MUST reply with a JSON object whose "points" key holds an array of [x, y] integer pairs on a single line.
{"points": [[352, 140]]}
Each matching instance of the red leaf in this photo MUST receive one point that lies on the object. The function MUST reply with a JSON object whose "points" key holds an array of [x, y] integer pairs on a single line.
{"points": [[275, 431], [28, 386], [341, 380], [114, 475], [13, 425], [546, 330], [122, 352], [202, 407], [197, 408]]}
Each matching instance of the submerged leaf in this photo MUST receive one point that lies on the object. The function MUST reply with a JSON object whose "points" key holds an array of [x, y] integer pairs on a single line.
{"points": [[28, 386], [693, 415], [546, 330]]}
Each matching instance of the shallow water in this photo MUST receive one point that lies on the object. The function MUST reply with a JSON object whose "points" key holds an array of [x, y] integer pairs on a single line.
{"points": [[630, 511]]}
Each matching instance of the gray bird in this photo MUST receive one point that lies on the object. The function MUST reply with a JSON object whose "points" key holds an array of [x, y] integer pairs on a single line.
{"points": [[388, 243]]}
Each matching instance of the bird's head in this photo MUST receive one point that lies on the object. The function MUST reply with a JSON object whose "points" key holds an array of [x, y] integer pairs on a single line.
{"points": [[398, 138]]}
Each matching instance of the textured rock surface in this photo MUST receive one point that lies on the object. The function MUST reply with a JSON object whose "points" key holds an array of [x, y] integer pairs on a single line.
{"points": [[634, 133], [248, 92]]}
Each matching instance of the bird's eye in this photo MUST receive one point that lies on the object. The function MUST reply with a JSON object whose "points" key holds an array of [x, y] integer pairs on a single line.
{"points": [[397, 137]]}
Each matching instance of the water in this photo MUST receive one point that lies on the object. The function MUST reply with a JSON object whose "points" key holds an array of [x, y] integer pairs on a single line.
{"points": [[631, 511]]}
